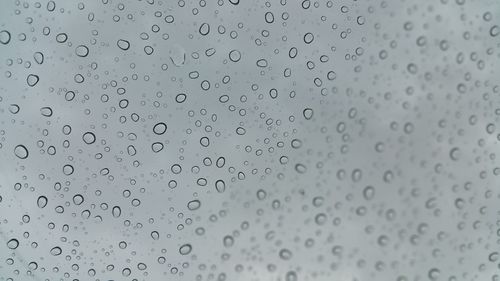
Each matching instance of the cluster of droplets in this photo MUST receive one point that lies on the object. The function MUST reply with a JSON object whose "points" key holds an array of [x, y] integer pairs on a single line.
{"points": [[227, 140]]}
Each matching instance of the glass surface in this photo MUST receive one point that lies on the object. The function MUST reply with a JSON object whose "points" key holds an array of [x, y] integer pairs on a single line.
{"points": [[228, 140]]}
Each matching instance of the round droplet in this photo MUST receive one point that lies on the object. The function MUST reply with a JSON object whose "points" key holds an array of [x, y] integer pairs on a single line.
{"points": [[68, 169], [88, 138], [285, 254], [234, 55], [494, 31], [157, 147], [61, 37], [78, 199], [360, 20], [308, 113], [455, 154], [160, 128], [291, 276], [126, 272], [434, 274], [4, 37], [82, 51], [205, 141], [21, 151], [14, 108], [123, 44]]}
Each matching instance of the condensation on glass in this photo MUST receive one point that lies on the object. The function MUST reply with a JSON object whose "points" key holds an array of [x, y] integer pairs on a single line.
{"points": [[225, 140]]}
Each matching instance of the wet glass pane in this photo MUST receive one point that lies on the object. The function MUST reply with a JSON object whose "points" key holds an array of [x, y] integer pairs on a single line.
{"points": [[225, 140]]}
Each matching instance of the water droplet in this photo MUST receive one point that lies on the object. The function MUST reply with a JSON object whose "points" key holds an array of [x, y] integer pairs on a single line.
{"points": [[21, 151], [46, 111], [78, 199], [4, 37], [32, 80], [308, 113], [42, 201], [160, 128], [82, 51], [155, 235], [123, 44], [369, 192], [194, 205], [116, 211], [455, 154], [68, 169], [220, 186], [494, 31], [204, 29], [185, 249], [285, 254], [234, 55], [14, 108], [56, 251], [88, 138], [38, 57], [13, 244], [61, 37], [157, 147]]}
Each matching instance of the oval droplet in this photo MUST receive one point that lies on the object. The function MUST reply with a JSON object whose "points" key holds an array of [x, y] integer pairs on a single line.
{"points": [[46, 111], [13, 244], [220, 186], [185, 249], [42, 201], [116, 211], [123, 44], [21, 151], [194, 205], [56, 251]]}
